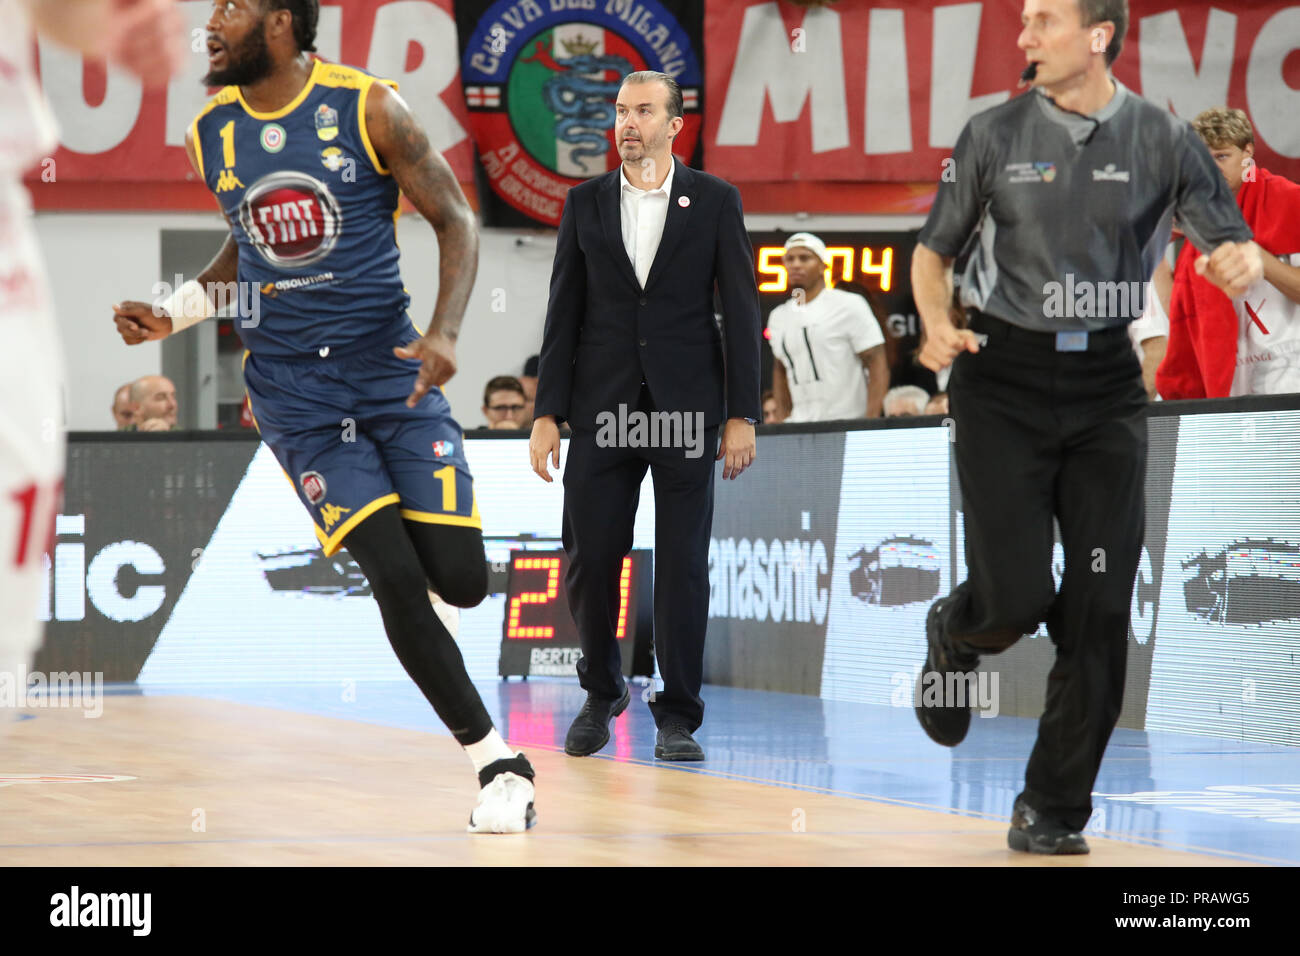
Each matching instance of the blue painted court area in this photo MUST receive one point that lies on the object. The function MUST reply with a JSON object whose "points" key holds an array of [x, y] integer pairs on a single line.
{"points": [[1215, 796]]}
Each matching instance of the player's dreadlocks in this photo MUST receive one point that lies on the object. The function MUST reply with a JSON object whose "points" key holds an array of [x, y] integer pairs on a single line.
{"points": [[305, 14]]}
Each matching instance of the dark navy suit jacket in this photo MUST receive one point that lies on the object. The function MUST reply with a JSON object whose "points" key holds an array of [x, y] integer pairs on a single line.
{"points": [[605, 335]]}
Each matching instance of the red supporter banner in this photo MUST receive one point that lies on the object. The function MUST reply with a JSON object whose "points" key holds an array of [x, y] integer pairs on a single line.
{"points": [[851, 93], [880, 91], [115, 132]]}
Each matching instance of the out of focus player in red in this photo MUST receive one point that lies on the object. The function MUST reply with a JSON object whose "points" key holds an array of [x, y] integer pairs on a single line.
{"points": [[146, 38]]}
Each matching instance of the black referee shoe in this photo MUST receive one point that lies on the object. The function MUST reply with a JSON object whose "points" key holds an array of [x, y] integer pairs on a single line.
{"points": [[590, 729], [943, 708], [674, 742], [1031, 832]]}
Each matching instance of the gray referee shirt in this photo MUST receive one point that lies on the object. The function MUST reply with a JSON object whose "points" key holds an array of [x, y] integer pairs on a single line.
{"points": [[1074, 211]]}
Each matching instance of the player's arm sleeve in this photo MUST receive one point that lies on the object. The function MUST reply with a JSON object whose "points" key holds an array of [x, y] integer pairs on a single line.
{"points": [[741, 314], [864, 330], [960, 202], [564, 314], [1206, 210]]}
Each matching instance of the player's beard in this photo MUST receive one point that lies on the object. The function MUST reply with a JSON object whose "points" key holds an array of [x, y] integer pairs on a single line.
{"points": [[246, 63]]}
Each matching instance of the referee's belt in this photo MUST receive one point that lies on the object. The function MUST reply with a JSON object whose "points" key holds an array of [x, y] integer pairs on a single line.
{"points": [[995, 329]]}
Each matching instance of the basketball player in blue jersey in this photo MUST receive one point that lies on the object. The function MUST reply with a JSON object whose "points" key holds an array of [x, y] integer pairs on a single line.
{"points": [[306, 160]]}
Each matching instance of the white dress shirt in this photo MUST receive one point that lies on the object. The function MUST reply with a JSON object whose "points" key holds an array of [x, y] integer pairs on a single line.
{"points": [[643, 213]]}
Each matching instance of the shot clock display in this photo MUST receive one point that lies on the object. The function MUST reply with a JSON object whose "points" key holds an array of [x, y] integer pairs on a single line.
{"points": [[875, 262], [538, 636], [859, 263]]}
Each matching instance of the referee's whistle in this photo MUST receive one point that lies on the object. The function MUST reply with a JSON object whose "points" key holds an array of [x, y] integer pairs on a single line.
{"points": [[1027, 74]]}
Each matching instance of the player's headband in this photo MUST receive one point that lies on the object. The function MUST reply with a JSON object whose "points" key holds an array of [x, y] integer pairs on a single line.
{"points": [[806, 240]]}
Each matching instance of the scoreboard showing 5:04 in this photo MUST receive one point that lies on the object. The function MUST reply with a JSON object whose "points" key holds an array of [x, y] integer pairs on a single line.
{"points": [[538, 636], [875, 265], [878, 263]]}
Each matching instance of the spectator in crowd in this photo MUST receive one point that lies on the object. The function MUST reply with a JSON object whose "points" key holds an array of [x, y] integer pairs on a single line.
{"points": [[771, 414], [529, 381], [1249, 345], [906, 400], [123, 410], [937, 405], [505, 404], [823, 339], [154, 398]]}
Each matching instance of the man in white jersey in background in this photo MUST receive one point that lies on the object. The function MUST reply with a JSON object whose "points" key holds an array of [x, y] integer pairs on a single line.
{"points": [[823, 339], [146, 38]]}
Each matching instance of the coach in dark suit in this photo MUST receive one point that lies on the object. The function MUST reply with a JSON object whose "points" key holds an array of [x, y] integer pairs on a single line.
{"points": [[631, 339]]}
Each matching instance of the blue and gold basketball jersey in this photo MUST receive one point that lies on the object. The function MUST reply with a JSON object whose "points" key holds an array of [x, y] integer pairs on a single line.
{"points": [[314, 212]]}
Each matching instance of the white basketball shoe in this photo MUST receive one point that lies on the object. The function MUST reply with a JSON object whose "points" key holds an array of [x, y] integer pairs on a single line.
{"points": [[505, 804]]}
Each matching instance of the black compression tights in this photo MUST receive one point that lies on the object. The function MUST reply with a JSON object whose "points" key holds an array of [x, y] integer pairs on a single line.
{"points": [[402, 559]]}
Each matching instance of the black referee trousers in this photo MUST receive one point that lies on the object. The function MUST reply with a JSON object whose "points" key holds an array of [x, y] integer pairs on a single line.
{"points": [[1040, 434]]}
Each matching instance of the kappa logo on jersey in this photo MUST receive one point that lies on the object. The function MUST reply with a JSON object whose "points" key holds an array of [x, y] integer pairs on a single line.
{"points": [[292, 218], [227, 180], [273, 137], [313, 486], [330, 514], [541, 96], [327, 123], [443, 448]]}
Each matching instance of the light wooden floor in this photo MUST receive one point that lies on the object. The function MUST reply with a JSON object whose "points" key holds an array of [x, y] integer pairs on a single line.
{"points": [[274, 787]]}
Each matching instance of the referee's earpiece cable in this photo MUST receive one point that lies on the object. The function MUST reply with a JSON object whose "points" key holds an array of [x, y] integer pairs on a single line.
{"points": [[1028, 75]]}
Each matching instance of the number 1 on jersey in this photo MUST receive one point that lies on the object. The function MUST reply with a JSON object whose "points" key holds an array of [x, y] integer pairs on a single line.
{"points": [[46, 498], [447, 476], [228, 144]]}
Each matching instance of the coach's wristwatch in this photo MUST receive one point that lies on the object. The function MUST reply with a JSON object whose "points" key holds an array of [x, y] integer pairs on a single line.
{"points": [[752, 421]]}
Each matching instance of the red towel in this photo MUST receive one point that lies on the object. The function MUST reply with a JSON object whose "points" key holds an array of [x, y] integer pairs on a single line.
{"points": [[1201, 355]]}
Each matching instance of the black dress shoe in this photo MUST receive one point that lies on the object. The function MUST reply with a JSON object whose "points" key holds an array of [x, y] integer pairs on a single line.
{"points": [[1031, 832], [674, 742], [590, 729], [942, 707]]}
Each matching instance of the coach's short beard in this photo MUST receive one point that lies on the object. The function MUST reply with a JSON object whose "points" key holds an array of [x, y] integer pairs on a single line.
{"points": [[245, 64]]}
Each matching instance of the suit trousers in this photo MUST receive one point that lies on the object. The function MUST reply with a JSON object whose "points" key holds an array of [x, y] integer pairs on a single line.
{"points": [[1043, 434], [602, 487]]}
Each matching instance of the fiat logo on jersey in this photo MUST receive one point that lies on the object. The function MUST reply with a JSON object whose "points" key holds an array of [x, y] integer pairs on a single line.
{"points": [[291, 218]]}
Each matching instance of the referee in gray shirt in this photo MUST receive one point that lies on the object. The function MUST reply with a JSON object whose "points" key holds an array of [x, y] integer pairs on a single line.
{"points": [[1071, 187]]}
